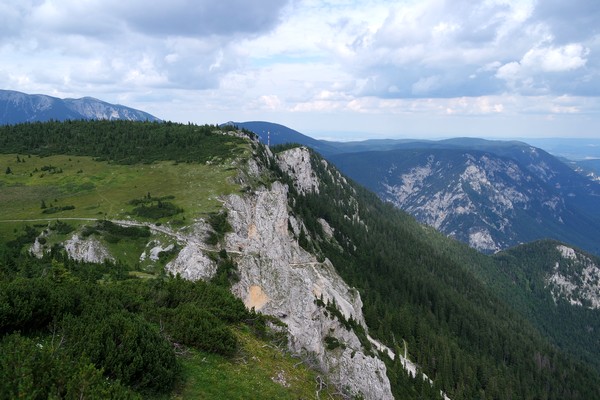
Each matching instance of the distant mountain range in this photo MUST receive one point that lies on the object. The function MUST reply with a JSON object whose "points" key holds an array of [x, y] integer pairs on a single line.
{"points": [[489, 194], [17, 107]]}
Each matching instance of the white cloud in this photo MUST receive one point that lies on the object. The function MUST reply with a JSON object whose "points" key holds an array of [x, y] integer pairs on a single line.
{"points": [[269, 102], [114, 46], [539, 70], [195, 59], [509, 71], [556, 59]]}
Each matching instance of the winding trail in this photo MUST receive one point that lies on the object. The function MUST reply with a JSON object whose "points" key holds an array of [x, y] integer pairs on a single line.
{"points": [[187, 239], [181, 238]]}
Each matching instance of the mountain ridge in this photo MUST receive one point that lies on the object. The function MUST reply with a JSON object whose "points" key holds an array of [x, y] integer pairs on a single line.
{"points": [[493, 194], [17, 107], [502, 200]]}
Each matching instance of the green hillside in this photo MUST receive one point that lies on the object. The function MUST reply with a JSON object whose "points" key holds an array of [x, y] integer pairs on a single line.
{"points": [[518, 277], [572, 327]]}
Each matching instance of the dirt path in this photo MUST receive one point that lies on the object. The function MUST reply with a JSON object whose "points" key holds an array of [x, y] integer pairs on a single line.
{"points": [[49, 219]]}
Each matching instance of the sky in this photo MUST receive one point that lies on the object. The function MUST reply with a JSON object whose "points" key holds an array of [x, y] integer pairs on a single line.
{"points": [[332, 69]]}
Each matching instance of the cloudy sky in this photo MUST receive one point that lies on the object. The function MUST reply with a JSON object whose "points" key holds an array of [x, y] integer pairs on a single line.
{"points": [[344, 69]]}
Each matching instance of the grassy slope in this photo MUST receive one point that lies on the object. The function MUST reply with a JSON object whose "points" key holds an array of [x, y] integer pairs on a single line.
{"points": [[102, 190], [250, 375]]}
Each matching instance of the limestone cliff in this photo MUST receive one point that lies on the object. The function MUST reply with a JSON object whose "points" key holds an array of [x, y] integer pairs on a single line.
{"points": [[296, 162], [279, 278]]}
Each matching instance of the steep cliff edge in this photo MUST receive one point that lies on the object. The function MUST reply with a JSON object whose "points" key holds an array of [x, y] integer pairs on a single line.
{"points": [[279, 278]]}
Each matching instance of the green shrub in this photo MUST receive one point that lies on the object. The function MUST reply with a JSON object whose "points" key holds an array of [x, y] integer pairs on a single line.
{"points": [[42, 369], [195, 326], [28, 305], [220, 226], [332, 343], [62, 228], [53, 210], [217, 300], [126, 347], [161, 209], [113, 233], [227, 271]]}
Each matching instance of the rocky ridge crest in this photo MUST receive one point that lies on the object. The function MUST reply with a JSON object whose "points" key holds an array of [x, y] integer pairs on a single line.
{"points": [[277, 276]]}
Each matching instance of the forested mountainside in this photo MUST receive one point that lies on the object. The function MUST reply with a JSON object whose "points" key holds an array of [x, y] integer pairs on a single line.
{"points": [[17, 107], [557, 287], [111, 208], [550, 284]]}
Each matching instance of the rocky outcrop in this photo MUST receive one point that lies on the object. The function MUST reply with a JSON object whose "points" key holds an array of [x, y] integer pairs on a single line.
{"points": [[87, 249], [154, 250], [575, 278], [279, 278], [192, 263], [296, 163], [37, 248]]}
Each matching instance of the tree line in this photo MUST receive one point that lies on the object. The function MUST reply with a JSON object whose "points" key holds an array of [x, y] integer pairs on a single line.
{"points": [[123, 142]]}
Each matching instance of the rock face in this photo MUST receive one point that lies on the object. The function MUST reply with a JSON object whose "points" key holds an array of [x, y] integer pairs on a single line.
{"points": [[296, 162], [192, 262], [37, 249], [279, 278], [88, 249]]}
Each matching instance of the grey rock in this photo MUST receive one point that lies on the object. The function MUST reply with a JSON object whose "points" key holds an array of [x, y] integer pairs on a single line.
{"points": [[296, 162], [279, 278], [87, 249]]}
